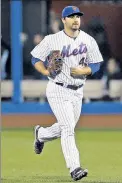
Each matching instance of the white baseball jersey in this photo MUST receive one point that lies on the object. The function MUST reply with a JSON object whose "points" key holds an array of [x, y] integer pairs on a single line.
{"points": [[84, 47]]}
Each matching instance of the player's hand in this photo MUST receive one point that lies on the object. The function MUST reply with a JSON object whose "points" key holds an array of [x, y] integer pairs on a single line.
{"points": [[80, 71], [77, 71], [46, 73]]}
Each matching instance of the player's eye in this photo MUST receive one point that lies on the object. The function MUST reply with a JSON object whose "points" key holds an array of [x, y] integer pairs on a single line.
{"points": [[71, 16], [77, 16]]}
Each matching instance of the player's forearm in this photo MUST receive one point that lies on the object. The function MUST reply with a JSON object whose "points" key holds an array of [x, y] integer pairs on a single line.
{"points": [[92, 68], [78, 71], [85, 71], [39, 66]]}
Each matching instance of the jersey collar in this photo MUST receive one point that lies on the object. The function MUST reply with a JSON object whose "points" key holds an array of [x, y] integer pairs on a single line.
{"points": [[70, 36]]}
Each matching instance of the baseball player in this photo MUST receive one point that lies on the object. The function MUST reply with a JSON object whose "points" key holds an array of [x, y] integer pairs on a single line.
{"points": [[81, 57]]}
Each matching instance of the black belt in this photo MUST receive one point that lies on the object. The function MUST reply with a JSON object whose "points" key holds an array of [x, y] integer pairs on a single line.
{"points": [[73, 87]]}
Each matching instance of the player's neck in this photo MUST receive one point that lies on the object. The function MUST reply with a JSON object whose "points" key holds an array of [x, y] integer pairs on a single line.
{"points": [[70, 33]]}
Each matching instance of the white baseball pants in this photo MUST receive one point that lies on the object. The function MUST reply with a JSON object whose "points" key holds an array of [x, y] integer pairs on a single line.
{"points": [[66, 106]]}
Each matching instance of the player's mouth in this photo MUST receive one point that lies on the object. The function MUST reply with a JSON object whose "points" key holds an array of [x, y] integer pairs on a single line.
{"points": [[75, 24]]}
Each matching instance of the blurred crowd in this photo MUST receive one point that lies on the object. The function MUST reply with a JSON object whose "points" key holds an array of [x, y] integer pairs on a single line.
{"points": [[110, 69]]}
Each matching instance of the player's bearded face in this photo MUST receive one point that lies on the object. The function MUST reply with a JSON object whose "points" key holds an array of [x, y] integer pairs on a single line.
{"points": [[73, 22]]}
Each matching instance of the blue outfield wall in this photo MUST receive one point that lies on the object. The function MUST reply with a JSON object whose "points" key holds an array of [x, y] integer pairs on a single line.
{"points": [[93, 108]]}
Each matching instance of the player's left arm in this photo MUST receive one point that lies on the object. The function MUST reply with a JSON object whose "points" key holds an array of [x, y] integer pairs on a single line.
{"points": [[91, 69], [94, 58]]}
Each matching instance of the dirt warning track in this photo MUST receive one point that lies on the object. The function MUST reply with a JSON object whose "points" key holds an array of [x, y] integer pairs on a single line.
{"points": [[85, 121]]}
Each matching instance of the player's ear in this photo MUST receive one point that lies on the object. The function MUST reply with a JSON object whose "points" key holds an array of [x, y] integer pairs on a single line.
{"points": [[63, 20]]}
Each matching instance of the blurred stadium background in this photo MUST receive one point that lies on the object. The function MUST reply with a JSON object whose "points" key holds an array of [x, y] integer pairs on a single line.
{"points": [[24, 23]]}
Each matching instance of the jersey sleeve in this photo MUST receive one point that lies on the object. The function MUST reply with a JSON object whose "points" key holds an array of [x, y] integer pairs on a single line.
{"points": [[93, 53], [42, 50]]}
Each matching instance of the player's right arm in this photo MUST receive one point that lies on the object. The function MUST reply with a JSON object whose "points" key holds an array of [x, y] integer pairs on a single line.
{"points": [[39, 66], [39, 55]]}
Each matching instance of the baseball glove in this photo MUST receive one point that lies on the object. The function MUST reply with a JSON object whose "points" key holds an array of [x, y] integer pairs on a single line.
{"points": [[54, 63]]}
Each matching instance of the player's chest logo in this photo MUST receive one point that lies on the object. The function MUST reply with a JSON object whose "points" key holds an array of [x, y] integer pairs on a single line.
{"points": [[66, 51]]}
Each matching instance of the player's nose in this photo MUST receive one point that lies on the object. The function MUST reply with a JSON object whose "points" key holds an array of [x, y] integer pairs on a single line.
{"points": [[76, 20], [76, 17]]}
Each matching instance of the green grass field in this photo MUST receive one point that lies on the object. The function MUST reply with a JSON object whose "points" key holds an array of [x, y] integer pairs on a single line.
{"points": [[100, 152]]}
